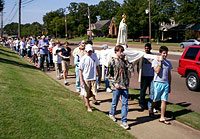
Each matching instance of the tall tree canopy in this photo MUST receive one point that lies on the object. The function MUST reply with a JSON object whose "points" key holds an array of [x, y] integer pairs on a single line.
{"points": [[188, 11], [108, 9]]}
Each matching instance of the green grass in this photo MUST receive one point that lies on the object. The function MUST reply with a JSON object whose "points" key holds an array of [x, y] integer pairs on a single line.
{"points": [[180, 113], [32, 105]]}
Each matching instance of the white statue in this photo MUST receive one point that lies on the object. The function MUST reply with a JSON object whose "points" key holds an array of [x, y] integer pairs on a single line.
{"points": [[122, 33]]}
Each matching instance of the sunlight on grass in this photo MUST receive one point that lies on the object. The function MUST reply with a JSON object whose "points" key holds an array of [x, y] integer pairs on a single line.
{"points": [[35, 106]]}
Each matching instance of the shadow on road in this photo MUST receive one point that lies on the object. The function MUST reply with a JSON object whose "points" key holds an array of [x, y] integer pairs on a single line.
{"points": [[183, 104]]}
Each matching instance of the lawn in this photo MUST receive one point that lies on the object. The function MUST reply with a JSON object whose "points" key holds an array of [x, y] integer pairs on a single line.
{"points": [[32, 105]]}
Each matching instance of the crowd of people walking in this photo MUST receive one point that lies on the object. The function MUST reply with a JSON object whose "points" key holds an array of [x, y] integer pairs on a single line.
{"points": [[156, 73]]}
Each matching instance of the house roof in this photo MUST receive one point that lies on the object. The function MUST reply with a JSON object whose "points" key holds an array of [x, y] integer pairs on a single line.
{"points": [[101, 23], [196, 27]]}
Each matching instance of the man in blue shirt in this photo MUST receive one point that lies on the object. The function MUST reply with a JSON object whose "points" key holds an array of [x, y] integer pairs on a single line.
{"points": [[43, 47], [161, 85]]}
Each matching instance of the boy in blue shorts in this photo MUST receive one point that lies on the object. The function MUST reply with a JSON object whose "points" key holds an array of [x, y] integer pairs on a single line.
{"points": [[161, 85]]}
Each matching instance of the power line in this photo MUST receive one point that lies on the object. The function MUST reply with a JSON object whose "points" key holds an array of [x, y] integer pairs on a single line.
{"points": [[24, 3], [16, 11], [14, 6]]}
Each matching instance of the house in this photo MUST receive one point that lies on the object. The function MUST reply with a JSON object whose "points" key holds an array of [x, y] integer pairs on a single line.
{"points": [[104, 28], [99, 28], [165, 27], [178, 32]]}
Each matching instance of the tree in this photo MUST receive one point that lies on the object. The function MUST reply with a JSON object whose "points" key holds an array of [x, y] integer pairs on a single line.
{"points": [[188, 11], [58, 27], [161, 11], [133, 9], [33, 29], [11, 29], [137, 20], [108, 9], [47, 19]]}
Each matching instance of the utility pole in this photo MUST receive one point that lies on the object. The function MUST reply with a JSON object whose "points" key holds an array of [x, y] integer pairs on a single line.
{"points": [[1, 23], [66, 36], [56, 30], [90, 33], [19, 24], [149, 21]]}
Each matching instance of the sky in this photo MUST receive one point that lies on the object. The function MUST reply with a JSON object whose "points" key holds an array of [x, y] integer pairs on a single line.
{"points": [[34, 10]]}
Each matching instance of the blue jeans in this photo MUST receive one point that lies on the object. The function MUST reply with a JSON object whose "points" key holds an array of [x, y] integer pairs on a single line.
{"points": [[115, 99], [144, 84], [107, 83], [77, 78]]}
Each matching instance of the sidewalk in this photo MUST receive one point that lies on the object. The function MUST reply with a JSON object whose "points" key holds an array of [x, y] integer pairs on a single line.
{"points": [[141, 126]]}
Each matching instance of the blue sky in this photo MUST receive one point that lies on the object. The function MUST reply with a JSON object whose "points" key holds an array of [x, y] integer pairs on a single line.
{"points": [[35, 10]]}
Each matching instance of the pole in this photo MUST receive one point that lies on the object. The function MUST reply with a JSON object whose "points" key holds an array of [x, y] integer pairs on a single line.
{"points": [[89, 22], [149, 21], [66, 25], [19, 24], [1, 23], [56, 31]]}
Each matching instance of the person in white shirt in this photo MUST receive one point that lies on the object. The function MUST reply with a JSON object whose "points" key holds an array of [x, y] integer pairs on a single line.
{"points": [[57, 60], [34, 52], [87, 72]]}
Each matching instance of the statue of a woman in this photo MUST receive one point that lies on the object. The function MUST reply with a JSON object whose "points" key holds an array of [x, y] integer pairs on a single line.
{"points": [[122, 33]]}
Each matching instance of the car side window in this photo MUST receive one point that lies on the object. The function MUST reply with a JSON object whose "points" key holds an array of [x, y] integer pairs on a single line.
{"points": [[191, 53]]}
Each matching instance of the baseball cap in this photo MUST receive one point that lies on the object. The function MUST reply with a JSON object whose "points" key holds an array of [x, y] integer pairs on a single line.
{"points": [[88, 48]]}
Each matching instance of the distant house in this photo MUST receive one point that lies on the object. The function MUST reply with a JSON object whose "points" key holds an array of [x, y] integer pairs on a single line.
{"points": [[104, 27], [113, 28], [177, 32], [98, 28], [165, 27], [196, 29]]}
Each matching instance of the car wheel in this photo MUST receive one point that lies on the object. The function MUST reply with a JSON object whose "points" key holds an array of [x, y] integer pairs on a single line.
{"points": [[193, 81], [182, 46]]}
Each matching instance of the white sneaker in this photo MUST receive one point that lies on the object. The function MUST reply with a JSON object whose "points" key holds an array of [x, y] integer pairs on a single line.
{"points": [[78, 90], [112, 118], [155, 111], [125, 126], [97, 87], [58, 78], [108, 90], [66, 82]]}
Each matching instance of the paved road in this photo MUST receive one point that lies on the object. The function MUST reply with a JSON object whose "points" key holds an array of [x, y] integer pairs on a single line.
{"points": [[180, 93]]}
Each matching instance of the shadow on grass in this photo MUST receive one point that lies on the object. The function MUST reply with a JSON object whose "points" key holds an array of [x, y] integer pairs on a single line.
{"points": [[11, 52], [11, 62], [180, 112], [5, 54]]}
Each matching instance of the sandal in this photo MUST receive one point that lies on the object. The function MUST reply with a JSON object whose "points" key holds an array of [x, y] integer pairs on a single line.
{"points": [[165, 122]]}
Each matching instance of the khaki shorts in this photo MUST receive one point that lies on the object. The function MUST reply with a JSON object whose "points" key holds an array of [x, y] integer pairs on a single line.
{"points": [[65, 65], [90, 89]]}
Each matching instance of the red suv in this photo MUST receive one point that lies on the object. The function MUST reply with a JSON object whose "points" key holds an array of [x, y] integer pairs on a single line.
{"points": [[189, 67]]}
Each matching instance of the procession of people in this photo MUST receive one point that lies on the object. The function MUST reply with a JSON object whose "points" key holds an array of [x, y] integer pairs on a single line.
{"points": [[91, 70]]}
